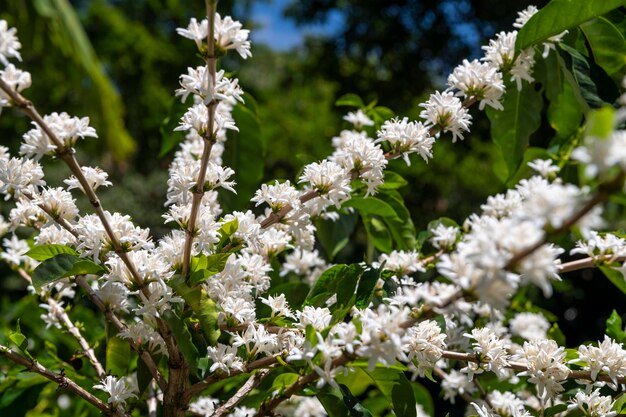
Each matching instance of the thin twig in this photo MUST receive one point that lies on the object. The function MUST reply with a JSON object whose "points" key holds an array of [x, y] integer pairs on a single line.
{"points": [[589, 262], [65, 318], [60, 379], [120, 326], [241, 393]]}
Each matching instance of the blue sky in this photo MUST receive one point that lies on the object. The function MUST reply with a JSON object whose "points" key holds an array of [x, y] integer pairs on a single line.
{"points": [[281, 33]]}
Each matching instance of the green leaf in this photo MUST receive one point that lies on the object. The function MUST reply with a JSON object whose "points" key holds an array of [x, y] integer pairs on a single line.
{"points": [[283, 381], [396, 388], [62, 266], [74, 42], [600, 122], [607, 44], [335, 235], [616, 277], [245, 154], [118, 356], [350, 100], [560, 15], [511, 128], [355, 408], [378, 233], [371, 206], [565, 112], [423, 397], [44, 252], [559, 408], [400, 224], [339, 279], [392, 181], [615, 328], [144, 376], [619, 404], [183, 338], [556, 334], [207, 267], [202, 305], [366, 286], [19, 340], [594, 85]]}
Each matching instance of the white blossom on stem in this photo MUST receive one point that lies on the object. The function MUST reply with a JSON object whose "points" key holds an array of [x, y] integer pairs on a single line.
{"points": [[546, 369], [119, 390], [9, 43], [445, 112], [406, 137], [480, 81]]}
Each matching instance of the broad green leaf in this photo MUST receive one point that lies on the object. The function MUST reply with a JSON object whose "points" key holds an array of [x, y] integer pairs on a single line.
{"points": [[202, 305], [600, 122], [74, 42], [364, 290], [396, 388], [524, 171], [511, 128], [595, 87], [295, 292], [378, 233], [371, 206], [565, 112], [355, 408], [44, 252], [392, 181], [607, 44], [245, 154], [183, 338], [560, 15], [340, 280], [620, 403], [341, 404], [559, 408], [335, 235], [616, 277], [556, 334], [283, 381], [615, 328], [144, 376], [62, 266], [424, 398], [118, 356], [400, 224], [19, 340], [212, 265], [351, 100]]}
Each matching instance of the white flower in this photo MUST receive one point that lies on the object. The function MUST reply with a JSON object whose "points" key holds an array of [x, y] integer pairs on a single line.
{"points": [[66, 129], [9, 44], [195, 31], [204, 406], [144, 335], [308, 407], [18, 175], [544, 359], [279, 305], [119, 390], [592, 404], [114, 295], [301, 262], [500, 53], [609, 356], [360, 156], [358, 119], [480, 81], [402, 263], [14, 253], [491, 351], [15, 78], [224, 358], [277, 196], [230, 35], [600, 154], [447, 114], [544, 167], [456, 383], [506, 403], [319, 318], [58, 202], [406, 137], [530, 326], [55, 311], [198, 82], [598, 245], [330, 180], [444, 237], [424, 343], [94, 176]]}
